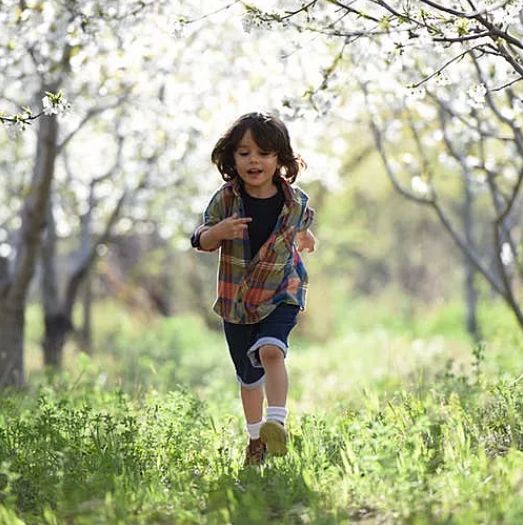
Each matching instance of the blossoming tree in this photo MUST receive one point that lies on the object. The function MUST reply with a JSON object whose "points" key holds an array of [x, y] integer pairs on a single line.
{"points": [[440, 88], [41, 45]]}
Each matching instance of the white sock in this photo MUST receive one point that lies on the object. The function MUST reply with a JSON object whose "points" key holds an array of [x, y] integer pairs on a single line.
{"points": [[253, 429], [277, 414]]}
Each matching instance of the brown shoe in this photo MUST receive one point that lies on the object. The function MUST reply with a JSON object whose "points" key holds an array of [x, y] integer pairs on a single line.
{"points": [[274, 435], [255, 452]]}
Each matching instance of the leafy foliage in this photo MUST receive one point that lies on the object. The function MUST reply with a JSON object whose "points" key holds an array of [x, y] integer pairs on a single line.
{"points": [[446, 447]]}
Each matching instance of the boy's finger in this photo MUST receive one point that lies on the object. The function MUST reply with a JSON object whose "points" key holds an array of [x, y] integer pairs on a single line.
{"points": [[244, 220]]}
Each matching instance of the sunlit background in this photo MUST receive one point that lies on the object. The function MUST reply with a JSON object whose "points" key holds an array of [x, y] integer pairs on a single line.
{"points": [[405, 393]]}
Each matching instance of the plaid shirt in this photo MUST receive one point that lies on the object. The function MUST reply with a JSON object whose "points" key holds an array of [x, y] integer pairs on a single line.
{"points": [[249, 290]]}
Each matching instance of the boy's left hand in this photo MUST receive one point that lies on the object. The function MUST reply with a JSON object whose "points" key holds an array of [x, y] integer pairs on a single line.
{"points": [[305, 241]]}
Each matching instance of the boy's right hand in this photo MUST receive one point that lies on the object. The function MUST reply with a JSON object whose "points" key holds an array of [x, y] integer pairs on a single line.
{"points": [[229, 228], [232, 227]]}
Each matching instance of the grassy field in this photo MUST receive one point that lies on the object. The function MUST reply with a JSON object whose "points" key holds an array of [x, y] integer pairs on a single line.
{"points": [[394, 419]]}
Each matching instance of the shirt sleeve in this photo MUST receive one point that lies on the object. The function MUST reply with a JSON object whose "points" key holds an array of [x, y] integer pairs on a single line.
{"points": [[307, 215], [213, 214], [307, 219]]}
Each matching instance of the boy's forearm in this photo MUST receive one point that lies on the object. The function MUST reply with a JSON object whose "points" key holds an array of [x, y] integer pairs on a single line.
{"points": [[210, 239]]}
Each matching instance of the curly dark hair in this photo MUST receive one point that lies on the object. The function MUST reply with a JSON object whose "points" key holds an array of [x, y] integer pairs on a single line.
{"points": [[269, 133]]}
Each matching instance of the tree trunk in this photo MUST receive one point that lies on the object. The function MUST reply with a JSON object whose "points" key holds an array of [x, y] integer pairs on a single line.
{"points": [[57, 326], [86, 331], [56, 321], [11, 346], [14, 285], [471, 294], [58, 308], [471, 301]]}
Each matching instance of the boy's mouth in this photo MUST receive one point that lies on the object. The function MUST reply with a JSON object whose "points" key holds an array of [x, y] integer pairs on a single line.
{"points": [[254, 171]]}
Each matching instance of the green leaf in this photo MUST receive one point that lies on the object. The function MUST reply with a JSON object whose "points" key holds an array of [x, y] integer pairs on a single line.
{"points": [[385, 23], [463, 27]]}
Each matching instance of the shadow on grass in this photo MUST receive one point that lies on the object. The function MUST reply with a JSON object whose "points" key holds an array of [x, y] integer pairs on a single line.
{"points": [[283, 490]]}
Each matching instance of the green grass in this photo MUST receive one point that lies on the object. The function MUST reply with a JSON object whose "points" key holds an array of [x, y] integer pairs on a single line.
{"points": [[390, 423]]}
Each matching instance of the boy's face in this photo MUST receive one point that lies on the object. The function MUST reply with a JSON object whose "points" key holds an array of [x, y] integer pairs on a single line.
{"points": [[255, 166]]}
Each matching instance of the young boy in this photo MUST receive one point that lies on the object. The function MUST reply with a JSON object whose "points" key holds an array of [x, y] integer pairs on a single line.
{"points": [[260, 223]]}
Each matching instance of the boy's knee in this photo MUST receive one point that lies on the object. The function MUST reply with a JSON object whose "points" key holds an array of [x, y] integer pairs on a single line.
{"points": [[270, 353]]}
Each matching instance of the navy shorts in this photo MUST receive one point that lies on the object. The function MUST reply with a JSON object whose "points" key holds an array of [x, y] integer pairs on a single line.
{"points": [[245, 341]]}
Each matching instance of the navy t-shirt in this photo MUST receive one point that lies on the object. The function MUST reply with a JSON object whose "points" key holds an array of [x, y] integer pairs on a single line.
{"points": [[264, 213]]}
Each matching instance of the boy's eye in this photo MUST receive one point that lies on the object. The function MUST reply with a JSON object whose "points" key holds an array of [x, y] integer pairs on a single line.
{"points": [[262, 153]]}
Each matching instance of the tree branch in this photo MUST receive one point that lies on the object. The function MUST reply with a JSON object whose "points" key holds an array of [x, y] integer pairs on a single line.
{"points": [[93, 112], [444, 66], [83, 268], [464, 14], [349, 9], [34, 210], [432, 202]]}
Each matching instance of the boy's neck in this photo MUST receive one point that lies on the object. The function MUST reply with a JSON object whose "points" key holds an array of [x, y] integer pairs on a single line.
{"points": [[263, 192]]}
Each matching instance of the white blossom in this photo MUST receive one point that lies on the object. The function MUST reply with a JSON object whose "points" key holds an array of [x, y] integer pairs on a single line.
{"points": [[14, 129], [506, 255], [420, 186], [510, 173], [424, 41], [505, 15], [408, 159], [179, 28], [442, 79], [252, 20], [55, 104], [249, 21], [5, 250], [413, 94], [476, 96]]}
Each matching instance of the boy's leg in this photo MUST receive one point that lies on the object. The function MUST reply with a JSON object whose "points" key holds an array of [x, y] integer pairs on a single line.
{"points": [[252, 401], [272, 432], [276, 379], [268, 352], [239, 339]]}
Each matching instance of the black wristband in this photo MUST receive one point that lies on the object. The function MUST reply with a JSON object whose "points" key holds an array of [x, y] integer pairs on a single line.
{"points": [[195, 238]]}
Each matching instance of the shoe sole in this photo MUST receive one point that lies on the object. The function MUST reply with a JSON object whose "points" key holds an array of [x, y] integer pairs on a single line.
{"points": [[274, 436]]}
